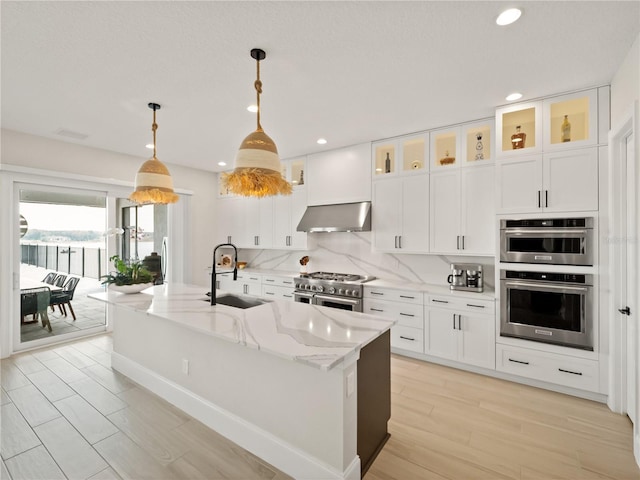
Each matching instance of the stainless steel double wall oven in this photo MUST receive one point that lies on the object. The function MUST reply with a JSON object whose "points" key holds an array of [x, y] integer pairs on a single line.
{"points": [[541, 305]]}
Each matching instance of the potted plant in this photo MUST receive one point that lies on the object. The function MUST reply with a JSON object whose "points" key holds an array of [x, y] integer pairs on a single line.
{"points": [[129, 277]]}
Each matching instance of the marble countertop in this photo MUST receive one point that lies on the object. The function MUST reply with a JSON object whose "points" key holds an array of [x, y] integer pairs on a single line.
{"points": [[321, 337]]}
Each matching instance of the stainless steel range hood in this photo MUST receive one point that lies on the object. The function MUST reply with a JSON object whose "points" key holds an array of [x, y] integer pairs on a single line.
{"points": [[341, 217]]}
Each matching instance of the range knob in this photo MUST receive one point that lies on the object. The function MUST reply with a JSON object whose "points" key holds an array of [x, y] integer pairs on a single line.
{"points": [[340, 291], [307, 287], [320, 288], [347, 292], [332, 290], [313, 288], [297, 285]]}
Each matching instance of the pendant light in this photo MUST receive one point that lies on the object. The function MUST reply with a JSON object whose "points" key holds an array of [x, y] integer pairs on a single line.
{"points": [[258, 172], [153, 180]]}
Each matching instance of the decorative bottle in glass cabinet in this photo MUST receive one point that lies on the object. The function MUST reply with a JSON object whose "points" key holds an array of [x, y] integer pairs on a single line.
{"points": [[565, 129], [518, 139]]}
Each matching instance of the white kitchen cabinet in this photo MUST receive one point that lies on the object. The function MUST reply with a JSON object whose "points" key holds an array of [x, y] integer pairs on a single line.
{"points": [[400, 155], [400, 214], [404, 306], [275, 292], [258, 223], [339, 176], [563, 181], [229, 220], [516, 119], [287, 212], [580, 111], [245, 284], [462, 211], [461, 330]]}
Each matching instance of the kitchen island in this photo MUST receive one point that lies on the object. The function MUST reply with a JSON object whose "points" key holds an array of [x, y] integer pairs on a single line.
{"points": [[304, 387]]}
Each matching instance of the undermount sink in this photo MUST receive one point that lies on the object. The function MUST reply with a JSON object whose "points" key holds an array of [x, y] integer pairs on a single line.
{"points": [[238, 302]]}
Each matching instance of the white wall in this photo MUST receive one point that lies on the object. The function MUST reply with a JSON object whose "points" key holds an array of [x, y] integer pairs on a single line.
{"points": [[625, 85], [46, 154]]}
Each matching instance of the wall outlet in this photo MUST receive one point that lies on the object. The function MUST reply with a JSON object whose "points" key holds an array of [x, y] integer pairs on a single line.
{"points": [[185, 366]]}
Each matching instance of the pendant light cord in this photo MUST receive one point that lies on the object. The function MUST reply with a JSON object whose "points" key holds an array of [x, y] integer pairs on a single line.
{"points": [[258, 85], [154, 127]]}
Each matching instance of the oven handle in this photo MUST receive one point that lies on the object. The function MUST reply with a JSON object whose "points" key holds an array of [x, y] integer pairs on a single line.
{"points": [[519, 231], [355, 301], [304, 294], [546, 286]]}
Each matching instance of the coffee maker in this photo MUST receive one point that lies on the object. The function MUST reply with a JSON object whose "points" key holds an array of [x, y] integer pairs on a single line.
{"points": [[465, 276]]}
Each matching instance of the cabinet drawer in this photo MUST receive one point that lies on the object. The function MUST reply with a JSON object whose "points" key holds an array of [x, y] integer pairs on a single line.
{"points": [[407, 314], [407, 338], [549, 367], [470, 304], [279, 281], [276, 292], [405, 296], [249, 277]]}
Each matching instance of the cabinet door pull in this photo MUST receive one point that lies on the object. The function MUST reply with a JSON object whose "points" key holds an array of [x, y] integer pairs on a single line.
{"points": [[376, 309], [408, 338], [406, 314], [454, 321], [377, 293], [569, 371], [269, 280], [457, 242], [407, 296], [539, 201], [269, 293], [546, 198], [287, 296], [518, 361], [476, 306], [399, 241], [228, 238], [462, 236], [439, 301], [286, 282], [395, 242], [459, 322]]}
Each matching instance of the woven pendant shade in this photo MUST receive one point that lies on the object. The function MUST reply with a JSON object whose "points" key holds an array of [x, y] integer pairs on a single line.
{"points": [[257, 172], [153, 181]]}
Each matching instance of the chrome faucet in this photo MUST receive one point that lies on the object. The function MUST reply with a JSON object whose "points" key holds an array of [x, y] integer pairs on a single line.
{"points": [[213, 269]]}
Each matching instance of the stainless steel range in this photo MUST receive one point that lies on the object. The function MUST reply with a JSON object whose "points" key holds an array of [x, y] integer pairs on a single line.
{"points": [[337, 290]]}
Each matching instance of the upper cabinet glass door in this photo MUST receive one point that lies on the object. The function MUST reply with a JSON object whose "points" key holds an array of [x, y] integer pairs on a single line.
{"points": [[414, 153], [384, 158], [477, 142], [570, 120], [444, 148], [519, 129]]}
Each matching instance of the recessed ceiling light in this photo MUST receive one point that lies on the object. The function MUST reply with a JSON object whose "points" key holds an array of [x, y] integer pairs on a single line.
{"points": [[508, 16], [222, 164], [321, 141], [252, 108], [149, 146], [513, 96]]}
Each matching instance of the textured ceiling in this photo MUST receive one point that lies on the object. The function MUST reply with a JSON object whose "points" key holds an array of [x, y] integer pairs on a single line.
{"points": [[348, 71]]}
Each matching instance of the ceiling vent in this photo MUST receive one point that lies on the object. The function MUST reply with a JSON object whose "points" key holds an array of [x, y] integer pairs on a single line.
{"points": [[63, 132]]}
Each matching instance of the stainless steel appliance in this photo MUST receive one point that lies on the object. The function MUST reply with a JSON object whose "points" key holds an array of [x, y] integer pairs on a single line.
{"points": [[557, 241], [337, 290], [465, 276], [547, 307]]}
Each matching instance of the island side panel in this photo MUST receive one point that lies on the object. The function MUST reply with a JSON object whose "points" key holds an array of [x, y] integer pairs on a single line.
{"points": [[374, 398], [304, 406]]}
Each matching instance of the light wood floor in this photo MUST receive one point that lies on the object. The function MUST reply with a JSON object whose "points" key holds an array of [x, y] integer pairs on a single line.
{"points": [[66, 414], [450, 424]]}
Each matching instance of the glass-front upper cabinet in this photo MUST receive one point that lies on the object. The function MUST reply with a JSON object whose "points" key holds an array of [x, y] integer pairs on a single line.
{"points": [[401, 155], [519, 129], [570, 120], [293, 170], [445, 147], [477, 142]]}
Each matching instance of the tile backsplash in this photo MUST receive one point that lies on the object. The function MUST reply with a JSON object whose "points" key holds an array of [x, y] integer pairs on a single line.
{"points": [[352, 253]]}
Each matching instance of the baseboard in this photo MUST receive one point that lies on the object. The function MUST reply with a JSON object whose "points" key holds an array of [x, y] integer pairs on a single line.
{"points": [[261, 443]]}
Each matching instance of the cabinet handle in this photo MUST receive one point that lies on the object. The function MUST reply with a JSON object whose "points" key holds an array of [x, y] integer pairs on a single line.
{"points": [[539, 201], [546, 198], [228, 238], [395, 242], [269, 293], [457, 242], [459, 322], [287, 282], [376, 293], [376, 309], [454, 321], [518, 361], [407, 338], [462, 236], [569, 371], [287, 296], [217, 284], [253, 278], [269, 280], [406, 314], [476, 306], [407, 296], [399, 241], [439, 301]]}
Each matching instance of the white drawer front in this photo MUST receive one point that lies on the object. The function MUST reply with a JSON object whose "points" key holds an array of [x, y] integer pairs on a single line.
{"points": [[407, 338], [461, 303], [273, 292], [405, 296], [407, 314], [549, 367], [276, 280], [249, 277]]}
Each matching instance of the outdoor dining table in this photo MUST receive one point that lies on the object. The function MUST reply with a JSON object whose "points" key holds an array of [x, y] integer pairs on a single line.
{"points": [[25, 286]]}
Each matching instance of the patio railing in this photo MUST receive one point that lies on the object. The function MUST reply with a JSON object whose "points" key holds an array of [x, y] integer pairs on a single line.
{"points": [[74, 260]]}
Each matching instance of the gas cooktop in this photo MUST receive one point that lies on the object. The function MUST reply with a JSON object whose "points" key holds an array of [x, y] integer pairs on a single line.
{"points": [[337, 277]]}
